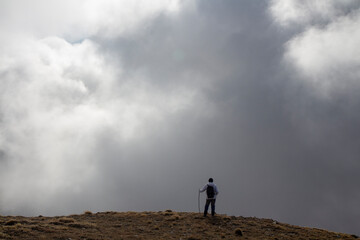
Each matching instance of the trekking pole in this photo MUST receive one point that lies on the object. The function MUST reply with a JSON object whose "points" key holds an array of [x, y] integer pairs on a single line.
{"points": [[199, 201]]}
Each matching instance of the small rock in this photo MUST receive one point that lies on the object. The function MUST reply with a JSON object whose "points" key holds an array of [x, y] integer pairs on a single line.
{"points": [[193, 238], [11, 223], [238, 232]]}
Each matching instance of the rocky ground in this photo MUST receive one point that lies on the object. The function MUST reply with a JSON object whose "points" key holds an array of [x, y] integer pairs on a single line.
{"points": [[155, 225]]}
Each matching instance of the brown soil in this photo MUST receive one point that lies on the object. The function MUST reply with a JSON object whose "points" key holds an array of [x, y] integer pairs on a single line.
{"points": [[155, 225]]}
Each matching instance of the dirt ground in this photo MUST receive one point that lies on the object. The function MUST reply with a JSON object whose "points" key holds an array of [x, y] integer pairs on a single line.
{"points": [[155, 225]]}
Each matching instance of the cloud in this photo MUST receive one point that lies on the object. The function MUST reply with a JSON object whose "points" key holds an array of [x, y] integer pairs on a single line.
{"points": [[42, 106], [328, 56], [298, 13], [57, 98], [75, 21]]}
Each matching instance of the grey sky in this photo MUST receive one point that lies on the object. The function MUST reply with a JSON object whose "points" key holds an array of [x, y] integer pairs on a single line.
{"points": [[127, 105]]}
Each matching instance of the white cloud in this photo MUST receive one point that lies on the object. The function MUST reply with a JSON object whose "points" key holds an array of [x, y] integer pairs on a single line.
{"points": [[76, 20], [57, 99], [304, 12], [328, 57], [46, 111], [325, 52]]}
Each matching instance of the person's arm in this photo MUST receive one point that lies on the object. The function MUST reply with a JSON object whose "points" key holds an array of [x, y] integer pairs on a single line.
{"points": [[203, 189]]}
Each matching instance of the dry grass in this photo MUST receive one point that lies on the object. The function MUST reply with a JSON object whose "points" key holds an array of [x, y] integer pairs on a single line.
{"points": [[66, 220], [87, 212], [156, 225], [4, 236]]}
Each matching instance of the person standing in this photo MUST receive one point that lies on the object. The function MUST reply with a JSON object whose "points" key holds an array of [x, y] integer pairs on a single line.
{"points": [[211, 192]]}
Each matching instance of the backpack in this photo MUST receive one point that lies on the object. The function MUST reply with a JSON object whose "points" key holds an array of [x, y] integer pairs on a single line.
{"points": [[210, 191]]}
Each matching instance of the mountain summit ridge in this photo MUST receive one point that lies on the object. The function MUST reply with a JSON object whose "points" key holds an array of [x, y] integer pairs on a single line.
{"points": [[156, 225]]}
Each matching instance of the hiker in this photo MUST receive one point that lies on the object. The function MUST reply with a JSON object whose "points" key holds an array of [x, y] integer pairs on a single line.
{"points": [[211, 192]]}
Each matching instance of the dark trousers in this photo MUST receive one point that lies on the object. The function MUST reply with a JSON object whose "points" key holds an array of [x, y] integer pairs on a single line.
{"points": [[208, 202]]}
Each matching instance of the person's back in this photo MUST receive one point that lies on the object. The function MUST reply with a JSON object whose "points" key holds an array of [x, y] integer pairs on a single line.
{"points": [[211, 192]]}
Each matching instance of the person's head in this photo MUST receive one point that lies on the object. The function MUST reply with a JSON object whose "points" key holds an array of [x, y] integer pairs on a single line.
{"points": [[211, 180]]}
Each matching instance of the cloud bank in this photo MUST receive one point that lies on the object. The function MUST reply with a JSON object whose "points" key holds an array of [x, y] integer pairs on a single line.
{"points": [[130, 105]]}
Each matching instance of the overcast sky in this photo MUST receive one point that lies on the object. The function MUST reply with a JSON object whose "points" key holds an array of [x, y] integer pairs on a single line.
{"points": [[133, 105]]}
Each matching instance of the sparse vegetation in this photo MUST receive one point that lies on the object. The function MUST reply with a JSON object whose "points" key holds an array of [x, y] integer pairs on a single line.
{"points": [[11, 222], [66, 220], [155, 225], [4, 236], [87, 212]]}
